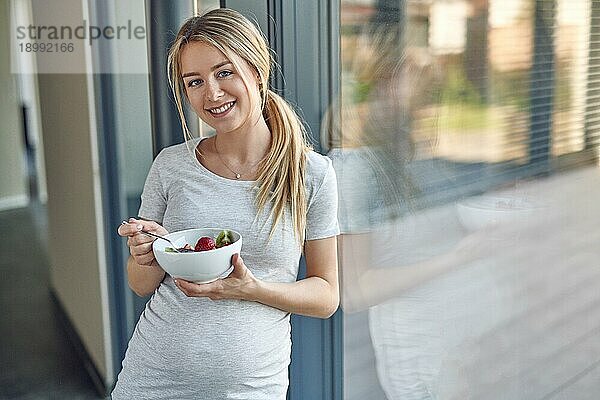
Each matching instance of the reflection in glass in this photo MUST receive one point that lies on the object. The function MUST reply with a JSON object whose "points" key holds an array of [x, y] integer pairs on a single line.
{"points": [[466, 150]]}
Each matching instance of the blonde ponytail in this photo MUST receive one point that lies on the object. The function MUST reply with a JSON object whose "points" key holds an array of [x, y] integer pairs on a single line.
{"points": [[283, 171]]}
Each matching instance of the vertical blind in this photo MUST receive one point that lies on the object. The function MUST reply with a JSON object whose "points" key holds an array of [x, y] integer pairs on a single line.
{"points": [[512, 85]]}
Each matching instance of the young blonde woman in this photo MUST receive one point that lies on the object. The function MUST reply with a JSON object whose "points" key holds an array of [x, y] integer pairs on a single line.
{"points": [[230, 339]]}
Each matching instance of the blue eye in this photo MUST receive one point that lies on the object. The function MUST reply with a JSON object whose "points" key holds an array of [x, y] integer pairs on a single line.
{"points": [[224, 74], [194, 82]]}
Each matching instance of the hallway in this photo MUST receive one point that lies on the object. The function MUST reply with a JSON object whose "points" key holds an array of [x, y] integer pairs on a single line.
{"points": [[38, 362]]}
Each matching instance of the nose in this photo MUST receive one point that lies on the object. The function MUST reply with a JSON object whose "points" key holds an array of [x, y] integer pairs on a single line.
{"points": [[213, 90]]}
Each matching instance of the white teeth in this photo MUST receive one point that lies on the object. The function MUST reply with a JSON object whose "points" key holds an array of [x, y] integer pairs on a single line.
{"points": [[221, 109]]}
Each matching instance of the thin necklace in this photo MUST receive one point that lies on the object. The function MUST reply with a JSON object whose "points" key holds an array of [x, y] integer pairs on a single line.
{"points": [[236, 174]]}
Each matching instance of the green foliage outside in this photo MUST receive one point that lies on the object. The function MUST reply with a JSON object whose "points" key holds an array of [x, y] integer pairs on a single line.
{"points": [[460, 108]]}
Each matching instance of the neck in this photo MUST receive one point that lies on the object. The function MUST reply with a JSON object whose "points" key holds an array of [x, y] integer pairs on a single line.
{"points": [[246, 144]]}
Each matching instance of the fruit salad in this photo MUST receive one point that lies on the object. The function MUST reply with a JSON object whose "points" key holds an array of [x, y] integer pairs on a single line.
{"points": [[205, 243]]}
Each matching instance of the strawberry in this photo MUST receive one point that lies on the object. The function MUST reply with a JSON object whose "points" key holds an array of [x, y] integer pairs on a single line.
{"points": [[205, 243]]}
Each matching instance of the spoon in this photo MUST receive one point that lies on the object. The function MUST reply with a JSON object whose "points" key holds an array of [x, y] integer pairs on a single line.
{"points": [[163, 238]]}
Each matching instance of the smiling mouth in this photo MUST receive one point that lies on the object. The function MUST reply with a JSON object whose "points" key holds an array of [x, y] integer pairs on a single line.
{"points": [[220, 111]]}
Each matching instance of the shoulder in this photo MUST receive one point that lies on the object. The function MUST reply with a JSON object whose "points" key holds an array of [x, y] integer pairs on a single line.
{"points": [[317, 161], [319, 174], [174, 152], [170, 161], [176, 156], [318, 167], [354, 160]]}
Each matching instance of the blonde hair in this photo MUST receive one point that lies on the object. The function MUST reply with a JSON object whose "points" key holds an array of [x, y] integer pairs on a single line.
{"points": [[396, 80], [281, 174]]}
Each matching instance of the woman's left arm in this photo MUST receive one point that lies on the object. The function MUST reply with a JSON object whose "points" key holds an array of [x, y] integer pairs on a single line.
{"points": [[317, 295]]}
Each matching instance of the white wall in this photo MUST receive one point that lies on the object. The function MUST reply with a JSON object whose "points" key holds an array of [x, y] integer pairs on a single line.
{"points": [[74, 212]]}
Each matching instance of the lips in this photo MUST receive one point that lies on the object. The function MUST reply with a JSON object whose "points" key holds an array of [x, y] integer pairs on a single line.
{"points": [[221, 110]]}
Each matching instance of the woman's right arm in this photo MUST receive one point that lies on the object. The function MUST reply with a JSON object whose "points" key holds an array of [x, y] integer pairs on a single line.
{"points": [[144, 274], [364, 283], [143, 279]]}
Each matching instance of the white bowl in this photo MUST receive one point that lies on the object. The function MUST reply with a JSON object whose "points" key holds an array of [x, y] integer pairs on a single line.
{"points": [[481, 212], [199, 267]]}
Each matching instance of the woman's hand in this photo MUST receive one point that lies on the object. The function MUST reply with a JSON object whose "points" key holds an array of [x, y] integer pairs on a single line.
{"points": [[240, 284], [314, 296], [140, 245]]}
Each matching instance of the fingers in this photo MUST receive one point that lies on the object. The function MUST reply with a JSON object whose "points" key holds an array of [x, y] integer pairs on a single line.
{"points": [[237, 262], [140, 245], [129, 229], [139, 239], [140, 249], [144, 259], [133, 226], [213, 290], [240, 284], [149, 226], [239, 268]]}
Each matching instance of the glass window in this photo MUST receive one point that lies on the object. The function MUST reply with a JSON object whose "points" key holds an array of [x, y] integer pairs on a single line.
{"points": [[465, 141]]}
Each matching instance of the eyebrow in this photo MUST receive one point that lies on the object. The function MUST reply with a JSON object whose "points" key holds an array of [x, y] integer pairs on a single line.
{"points": [[219, 65]]}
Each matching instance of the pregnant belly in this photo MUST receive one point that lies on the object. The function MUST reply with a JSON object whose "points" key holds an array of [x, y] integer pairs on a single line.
{"points": [[222, 341]]}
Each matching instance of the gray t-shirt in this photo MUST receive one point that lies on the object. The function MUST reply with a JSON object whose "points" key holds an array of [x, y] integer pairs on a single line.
{"points": [[197, 348]]}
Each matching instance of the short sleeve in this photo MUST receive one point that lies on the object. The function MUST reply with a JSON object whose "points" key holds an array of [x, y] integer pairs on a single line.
{"points": [[321, 219], [154, 199], [359, 199]]}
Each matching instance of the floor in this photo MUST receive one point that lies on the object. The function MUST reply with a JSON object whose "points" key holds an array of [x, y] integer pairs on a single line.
{"points": [[37, 360]]}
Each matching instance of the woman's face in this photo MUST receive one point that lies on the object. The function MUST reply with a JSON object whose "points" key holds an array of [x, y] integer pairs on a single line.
{"points": [[215, 87]]}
